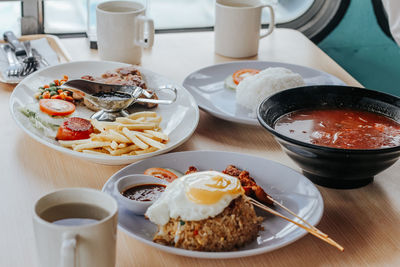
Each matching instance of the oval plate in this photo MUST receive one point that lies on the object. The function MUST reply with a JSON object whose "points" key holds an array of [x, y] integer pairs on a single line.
{"points": [[179, 120], [208, 88], [284, 184]]}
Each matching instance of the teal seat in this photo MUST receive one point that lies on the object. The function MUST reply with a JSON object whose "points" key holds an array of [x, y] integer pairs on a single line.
{"points": [[360, 46]]}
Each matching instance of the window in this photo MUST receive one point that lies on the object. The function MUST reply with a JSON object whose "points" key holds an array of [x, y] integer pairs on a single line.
{"points": [[10, 16], [315, 18], [64, 16], [70, 16]]}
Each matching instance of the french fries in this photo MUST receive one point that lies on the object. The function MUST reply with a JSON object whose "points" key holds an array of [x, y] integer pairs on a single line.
{"points": [[137, 134]]}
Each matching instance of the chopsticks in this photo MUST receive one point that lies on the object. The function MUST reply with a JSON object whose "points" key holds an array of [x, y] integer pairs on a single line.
{"points": [[295, 215], [308, 227]]}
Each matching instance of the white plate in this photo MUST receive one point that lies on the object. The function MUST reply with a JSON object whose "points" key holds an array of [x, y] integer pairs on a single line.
{"points": [[284, 184], [179, 120], [207, 87]]}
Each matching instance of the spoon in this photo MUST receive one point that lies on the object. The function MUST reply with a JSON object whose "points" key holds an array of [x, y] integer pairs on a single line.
{"points": [[112, 99]]}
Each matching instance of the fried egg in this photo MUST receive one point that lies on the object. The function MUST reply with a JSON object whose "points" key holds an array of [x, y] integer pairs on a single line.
{"points": [[195, 197]]}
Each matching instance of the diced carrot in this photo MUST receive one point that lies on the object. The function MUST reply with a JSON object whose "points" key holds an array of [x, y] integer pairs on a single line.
{"points": [[46, 86], [57, 82], [37, 95], [60, 91], [46, 95], [69, 98], [65, 77], [56, 97]]}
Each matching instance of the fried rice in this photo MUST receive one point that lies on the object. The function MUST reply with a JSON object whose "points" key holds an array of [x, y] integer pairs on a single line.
{"points": [[236, 226]]}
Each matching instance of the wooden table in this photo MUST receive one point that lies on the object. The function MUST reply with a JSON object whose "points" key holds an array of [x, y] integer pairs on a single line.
{"points": [[365, 221]]}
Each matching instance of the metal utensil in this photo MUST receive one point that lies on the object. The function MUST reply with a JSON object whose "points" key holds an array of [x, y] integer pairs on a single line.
{"points": [[114, 99], [18, 47], [30, 62], [40, 58], [15, 67]]}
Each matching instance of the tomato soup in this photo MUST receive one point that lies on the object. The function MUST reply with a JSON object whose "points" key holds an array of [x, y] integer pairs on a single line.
{"points": [[340, 128]]}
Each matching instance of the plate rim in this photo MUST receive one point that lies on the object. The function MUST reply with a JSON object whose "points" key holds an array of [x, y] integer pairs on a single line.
{"points": [[112, 160], [249, 121], [229, 254]]}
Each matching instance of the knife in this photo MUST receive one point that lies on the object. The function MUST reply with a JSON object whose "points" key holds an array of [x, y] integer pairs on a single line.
{"points": [[18, 47]]}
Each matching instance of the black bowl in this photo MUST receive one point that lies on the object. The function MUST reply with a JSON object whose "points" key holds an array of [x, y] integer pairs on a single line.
{"points": [[332, 167]]}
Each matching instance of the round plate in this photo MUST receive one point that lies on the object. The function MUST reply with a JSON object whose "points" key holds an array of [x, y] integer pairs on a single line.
{"points": [[284, 184], [179, 120], [208, 88]]}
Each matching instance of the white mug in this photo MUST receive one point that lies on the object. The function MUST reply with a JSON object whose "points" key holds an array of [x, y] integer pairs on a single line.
{"points": [[123, 30], [237, 27], [62, 240]]}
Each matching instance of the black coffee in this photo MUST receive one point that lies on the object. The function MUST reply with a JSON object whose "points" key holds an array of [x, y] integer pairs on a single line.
{"points": [[73, 214]]}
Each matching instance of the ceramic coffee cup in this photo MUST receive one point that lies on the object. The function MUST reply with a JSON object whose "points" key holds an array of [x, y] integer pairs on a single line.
{"points": [[123, 30], [76, 227], [237, 27]]}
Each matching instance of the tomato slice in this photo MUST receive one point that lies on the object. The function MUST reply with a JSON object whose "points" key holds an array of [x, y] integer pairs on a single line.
{"points": [[239, 75], [161, 173], [75, 129], [56, 107]]}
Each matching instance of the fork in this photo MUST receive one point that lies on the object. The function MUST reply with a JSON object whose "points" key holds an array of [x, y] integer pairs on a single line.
{"points": [[30, 62], [40, 58], [15, 68]]}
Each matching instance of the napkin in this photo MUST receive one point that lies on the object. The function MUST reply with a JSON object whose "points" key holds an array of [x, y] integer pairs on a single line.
{"points": [[42, 46]]}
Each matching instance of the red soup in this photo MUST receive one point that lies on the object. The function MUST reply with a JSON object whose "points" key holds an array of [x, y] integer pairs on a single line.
{"points": [[340, 128]]}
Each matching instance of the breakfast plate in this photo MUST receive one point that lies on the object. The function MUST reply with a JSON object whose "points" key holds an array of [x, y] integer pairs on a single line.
{"points": [[208, 88], [294, 191], [179, 120]]}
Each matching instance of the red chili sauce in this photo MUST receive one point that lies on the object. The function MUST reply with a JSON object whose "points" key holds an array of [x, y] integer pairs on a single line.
{"points": [[144, 192], [340, 128]]}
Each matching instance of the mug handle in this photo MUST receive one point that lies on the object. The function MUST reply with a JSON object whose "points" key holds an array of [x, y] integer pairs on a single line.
{"points": [[68, 246], [141, 21], [271, 26]]}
